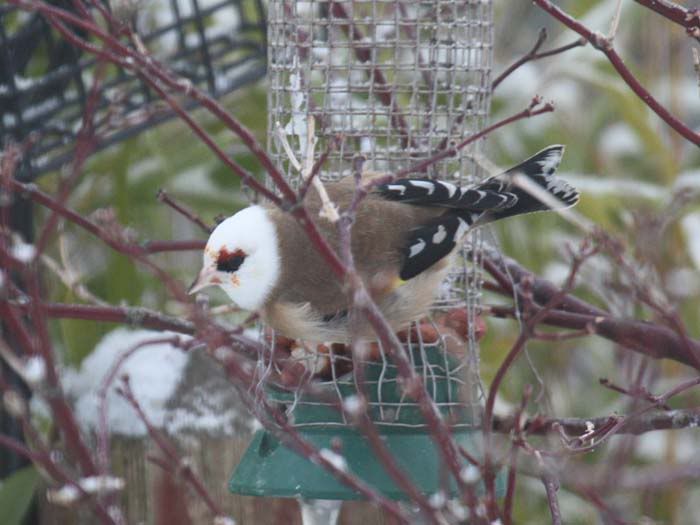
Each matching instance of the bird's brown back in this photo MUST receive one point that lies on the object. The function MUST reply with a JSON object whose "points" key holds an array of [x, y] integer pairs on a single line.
{"points": [[378, 241]]}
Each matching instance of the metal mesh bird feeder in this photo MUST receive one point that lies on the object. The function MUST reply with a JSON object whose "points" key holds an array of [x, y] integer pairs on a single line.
{"points": [[397, 81]]}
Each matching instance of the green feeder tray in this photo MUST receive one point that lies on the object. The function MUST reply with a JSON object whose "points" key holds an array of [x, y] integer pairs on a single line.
{"points": [[269, 468]]}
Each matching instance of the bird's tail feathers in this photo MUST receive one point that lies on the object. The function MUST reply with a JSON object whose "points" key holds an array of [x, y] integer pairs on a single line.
{"points": [[530, 186], [534, 185]]}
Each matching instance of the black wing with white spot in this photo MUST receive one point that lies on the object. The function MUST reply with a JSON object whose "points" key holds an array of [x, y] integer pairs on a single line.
{"points": [[498, 197], [428, 192], [433, 241]]}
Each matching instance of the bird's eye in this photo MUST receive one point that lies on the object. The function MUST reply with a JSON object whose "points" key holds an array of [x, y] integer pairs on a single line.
{"points": [[230, 261]]}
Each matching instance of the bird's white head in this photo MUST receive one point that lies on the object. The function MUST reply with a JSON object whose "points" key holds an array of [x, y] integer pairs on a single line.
{"points": [[242, 257]]}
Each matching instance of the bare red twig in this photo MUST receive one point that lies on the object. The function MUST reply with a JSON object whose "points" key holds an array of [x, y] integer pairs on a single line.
{"points": [[132, 316], [85, 145], [381, 451], [363, 305], [651, 339], [63, 413], [172, 246], [551, 487], [179, 466], [276, 421], [536, 107], [38, 451], [114, 240], [103, 429], [157, 76], [382, 89], [517, 430], [656, 420], [605, 45], [318, 165], [687, 18], [534, 55], [527, 327], [44, 460], [183, 210]]}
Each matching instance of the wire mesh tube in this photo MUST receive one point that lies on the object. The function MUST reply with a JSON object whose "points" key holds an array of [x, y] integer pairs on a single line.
{"points": [[393, 81]]}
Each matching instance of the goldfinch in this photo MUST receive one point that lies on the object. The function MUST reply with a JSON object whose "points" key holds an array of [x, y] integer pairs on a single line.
{"points": [[403, 239]]}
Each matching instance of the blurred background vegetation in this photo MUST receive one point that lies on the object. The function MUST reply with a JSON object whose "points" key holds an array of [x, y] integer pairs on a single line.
{"points": [[630, 166]]}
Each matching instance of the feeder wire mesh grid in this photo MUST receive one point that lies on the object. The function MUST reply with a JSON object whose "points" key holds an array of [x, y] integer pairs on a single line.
{"points": [[218, 45], [394, 82]]}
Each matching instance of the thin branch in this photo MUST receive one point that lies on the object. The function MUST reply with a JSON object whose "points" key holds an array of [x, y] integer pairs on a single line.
{"points": [[551, 487], [115, 242], [381, 450], [536, 107], [132, 316], [382, 89], [163, 196], [604, 45], [636, 392], [182, 467], [278, 423], [103, 439], [648, 422], [31, 345], [45, 461], [413, 387], [86, 143], [585, 251], [158, 78], [686, 18], [331, 146], [172, 246], [512, 467], [534, 55], [654, 340]]}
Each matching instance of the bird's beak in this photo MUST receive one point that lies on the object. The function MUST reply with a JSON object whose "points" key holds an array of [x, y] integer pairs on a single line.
{"points": [[204, 279]]}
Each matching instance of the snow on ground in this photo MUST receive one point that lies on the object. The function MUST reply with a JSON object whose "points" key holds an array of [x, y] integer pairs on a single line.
{"points": [[154, 372], [178, 391]]}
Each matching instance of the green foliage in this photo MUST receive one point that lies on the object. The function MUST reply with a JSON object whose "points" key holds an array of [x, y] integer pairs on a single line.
{"points": [[16, 494]]}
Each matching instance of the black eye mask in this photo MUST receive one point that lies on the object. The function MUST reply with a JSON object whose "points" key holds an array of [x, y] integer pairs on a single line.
{"points": [[229, 261]]}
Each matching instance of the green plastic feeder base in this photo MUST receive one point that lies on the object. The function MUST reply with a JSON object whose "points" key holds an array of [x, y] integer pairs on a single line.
{"points": [[268, 468]]}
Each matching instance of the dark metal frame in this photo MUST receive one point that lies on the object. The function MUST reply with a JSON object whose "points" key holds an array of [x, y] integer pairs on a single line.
{"points": [[42, 77]]}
